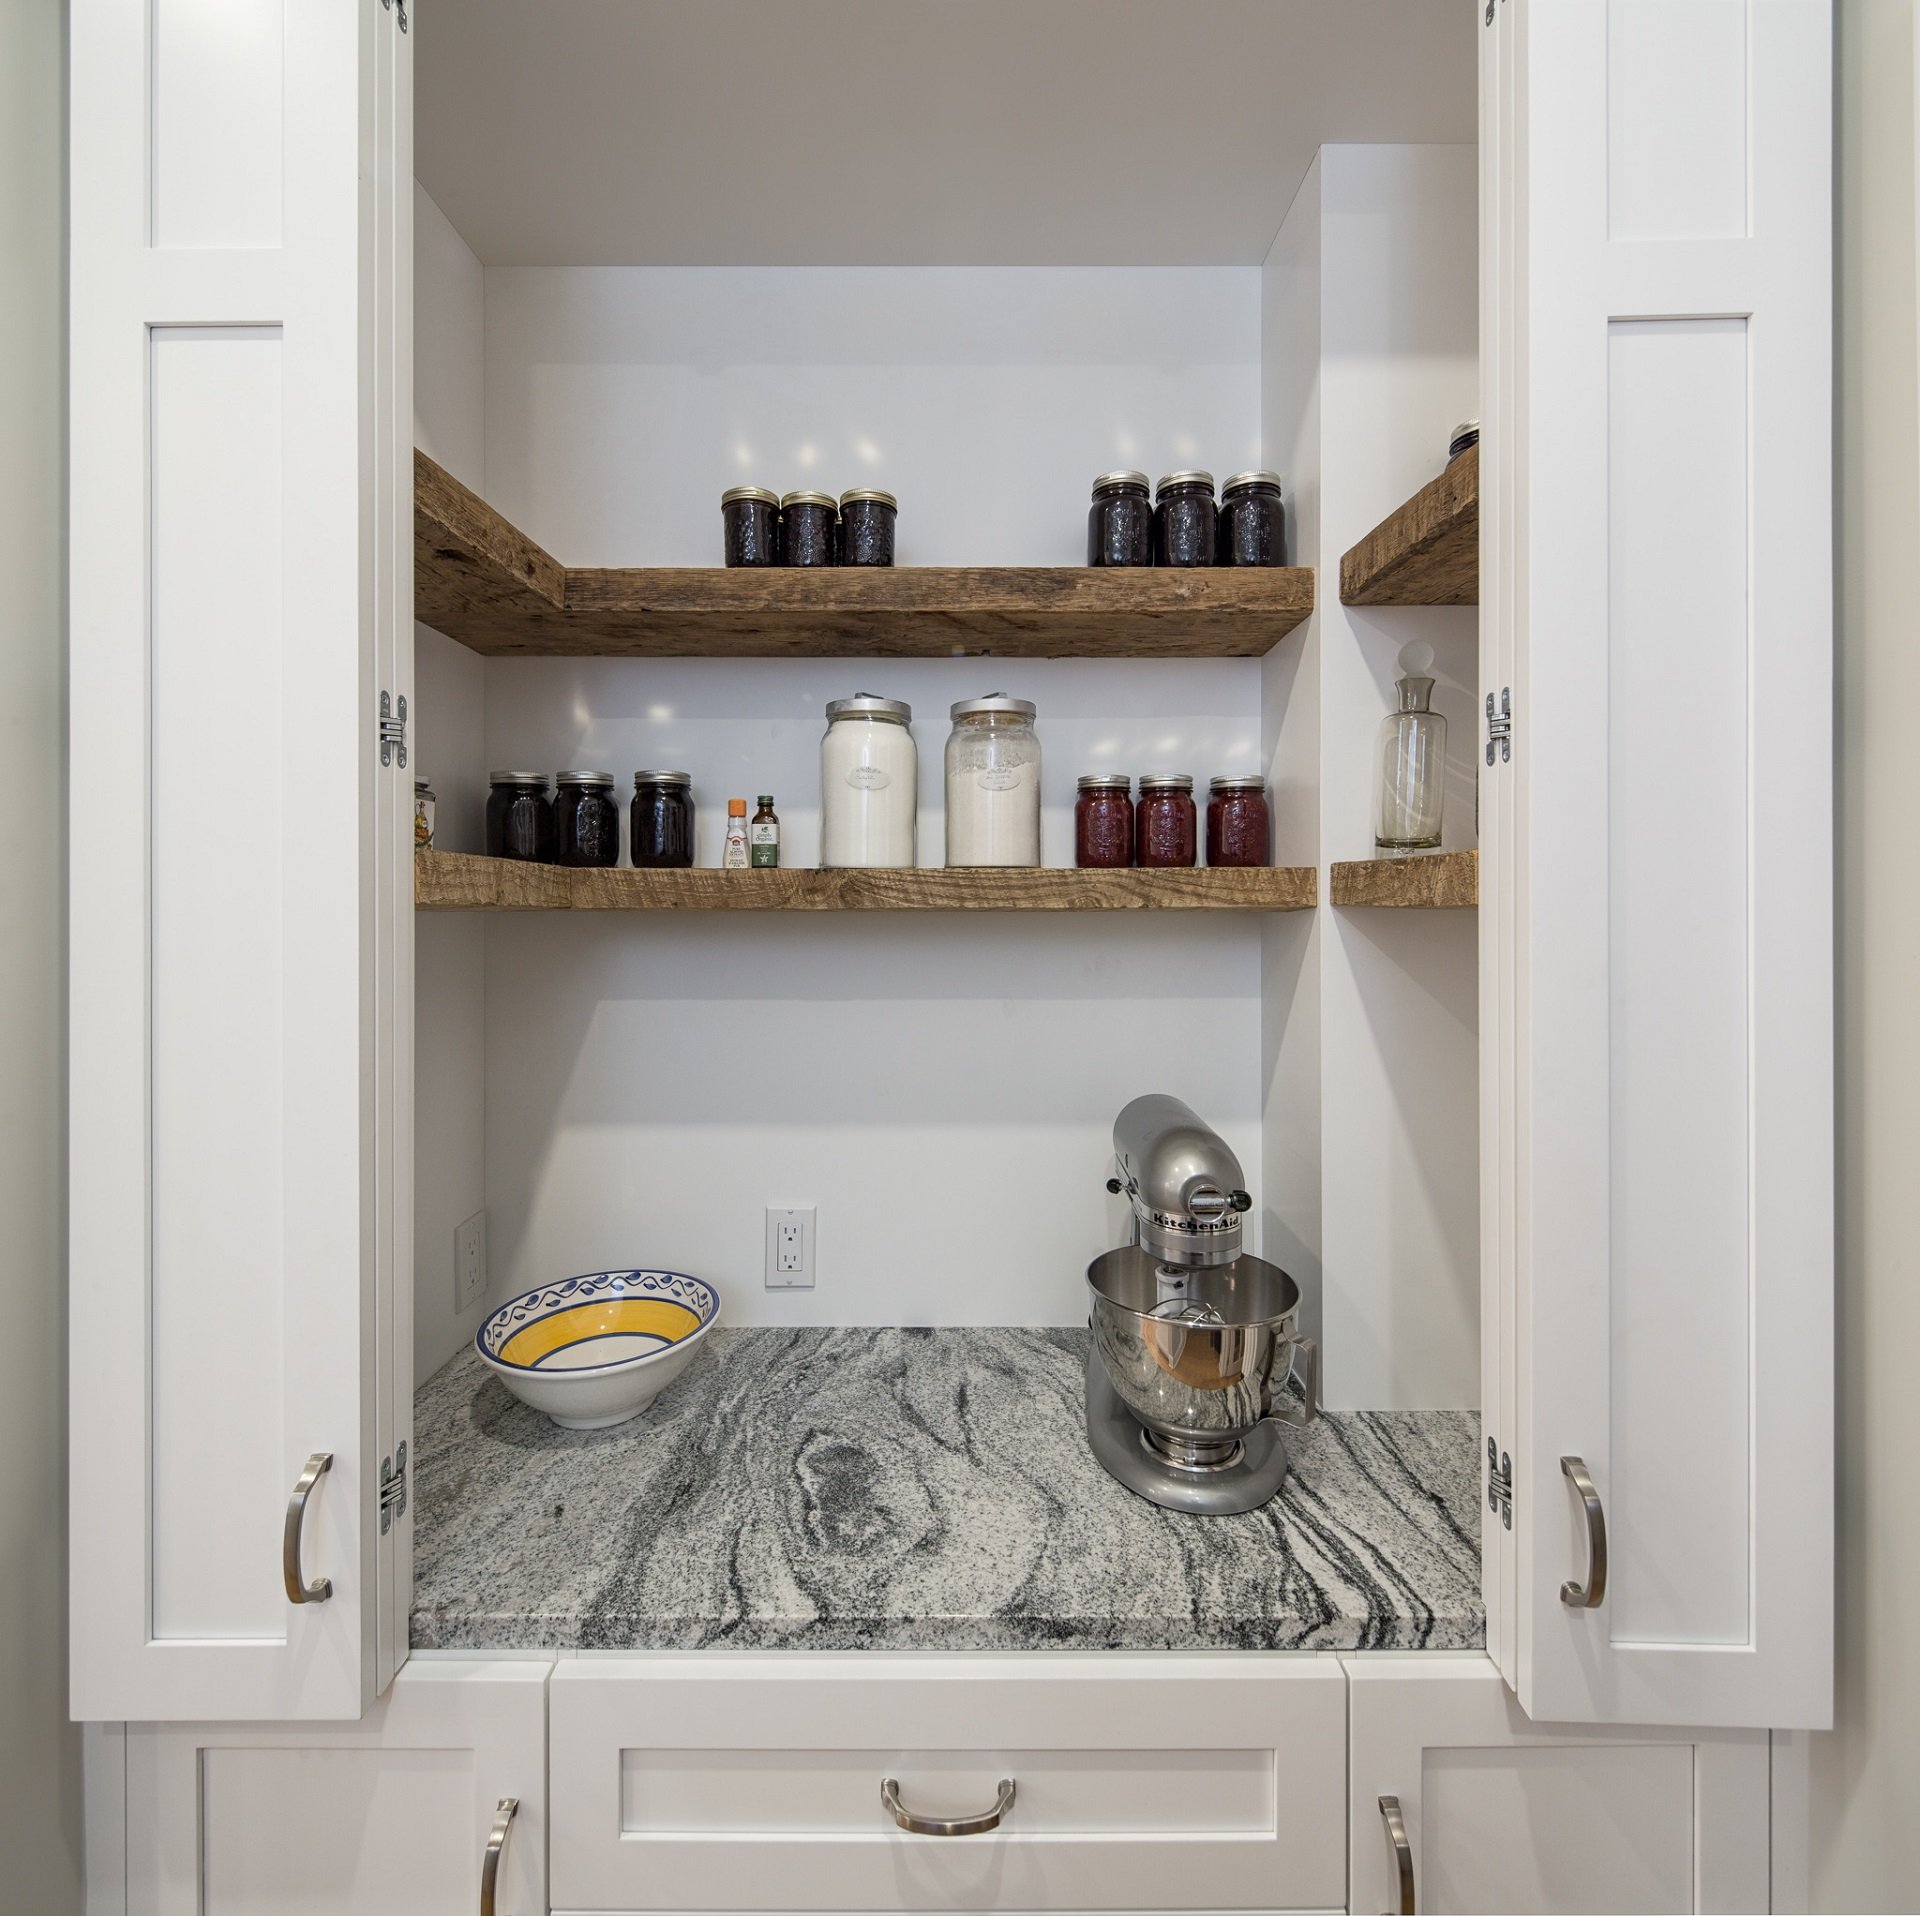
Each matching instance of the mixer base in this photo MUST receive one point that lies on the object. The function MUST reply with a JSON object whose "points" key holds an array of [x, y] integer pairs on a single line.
{"points": [[1243, 1482]]}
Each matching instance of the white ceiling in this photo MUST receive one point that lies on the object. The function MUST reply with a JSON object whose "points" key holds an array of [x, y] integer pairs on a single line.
{"points": [[912, 132]]}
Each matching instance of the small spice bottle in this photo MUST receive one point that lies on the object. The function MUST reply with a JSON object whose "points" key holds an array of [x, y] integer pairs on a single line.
{"points": [[1185, 520], [1120, 520], [809, 526], [586, 821], [519, 817], [1103, 819], [1165, 824], [763, 836], [867, 518], [423, 804], [750, 521], [1253, 520], [1239, 824], [733, 855], [661, 821]]}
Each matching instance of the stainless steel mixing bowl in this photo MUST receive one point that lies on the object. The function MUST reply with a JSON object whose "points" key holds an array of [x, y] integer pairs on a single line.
{"points": [[1199, 1356]]}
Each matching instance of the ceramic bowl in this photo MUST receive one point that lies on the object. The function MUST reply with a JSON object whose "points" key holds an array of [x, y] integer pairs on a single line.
{"points": [[596, 1350]]}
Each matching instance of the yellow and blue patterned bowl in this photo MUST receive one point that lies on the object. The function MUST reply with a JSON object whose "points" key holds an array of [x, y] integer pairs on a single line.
{"points": [[595, 1350]]}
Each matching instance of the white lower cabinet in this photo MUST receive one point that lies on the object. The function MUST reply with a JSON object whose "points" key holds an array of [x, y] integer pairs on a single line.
{"points": [[390, 1816], [1191, 1782], [1502, 1814]]}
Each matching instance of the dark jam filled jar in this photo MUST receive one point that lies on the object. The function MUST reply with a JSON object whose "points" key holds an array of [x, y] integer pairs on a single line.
{"points": [[1103, 820], [866, 526], [750, 519], [1253, 521], [1120, 520], [586, 821], [1185, 520], [1239, 825], [809, 525], [519, 817], [661, 827], [1166, 828]]}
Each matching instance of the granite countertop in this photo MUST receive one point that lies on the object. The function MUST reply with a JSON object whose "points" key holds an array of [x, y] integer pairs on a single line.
{"points": [[916, 1490]]}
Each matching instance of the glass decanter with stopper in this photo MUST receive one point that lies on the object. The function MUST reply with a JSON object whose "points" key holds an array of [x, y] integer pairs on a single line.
{"points": [[1413, 762]]}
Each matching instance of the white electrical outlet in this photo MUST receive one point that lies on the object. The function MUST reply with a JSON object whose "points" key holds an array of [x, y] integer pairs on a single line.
{"points": [[790, 1249], [470, 1262]]}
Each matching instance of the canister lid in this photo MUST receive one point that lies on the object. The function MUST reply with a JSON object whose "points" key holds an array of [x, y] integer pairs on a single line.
{"points": [[1106, 782], [873, 493], [583, 778], [994, 702], [661, 778], [808, 499], [1237, 782], [518, 778], [1466, 434], [1120, 476], [870, 705], [1241, 480], [1192, 477], [423, 785], [1167, 782], [758, 495]]}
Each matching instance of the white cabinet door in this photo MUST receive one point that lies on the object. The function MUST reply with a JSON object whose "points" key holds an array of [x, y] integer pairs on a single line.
{"points": [[1502, 1814], [391, 1816], [1656, 873], [240, 921]]}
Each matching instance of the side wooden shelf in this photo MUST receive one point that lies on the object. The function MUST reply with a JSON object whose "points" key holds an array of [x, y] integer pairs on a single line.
{"points": [[1435, 881], [1427, 553], [481, 581], [456, 881]]}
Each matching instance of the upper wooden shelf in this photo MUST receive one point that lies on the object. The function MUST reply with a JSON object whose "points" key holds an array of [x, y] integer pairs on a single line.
{"points": [[455, 881], [1432, 881], [481, 581], [1427, 553]]}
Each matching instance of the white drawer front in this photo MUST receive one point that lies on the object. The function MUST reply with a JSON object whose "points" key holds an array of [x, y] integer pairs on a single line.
{"points": [[1142, 1783]]}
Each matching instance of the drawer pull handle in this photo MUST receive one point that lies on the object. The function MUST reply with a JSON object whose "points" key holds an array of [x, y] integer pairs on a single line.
{"points": [[298, 1589], [946, 1825], [1402, 1852], [504, 1812], [1593, 1593]]}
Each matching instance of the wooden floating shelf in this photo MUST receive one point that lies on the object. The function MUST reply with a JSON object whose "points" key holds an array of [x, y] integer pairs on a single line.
{"points": [[1435, 881], [1427, 553], [481, 581], [455, 881]]}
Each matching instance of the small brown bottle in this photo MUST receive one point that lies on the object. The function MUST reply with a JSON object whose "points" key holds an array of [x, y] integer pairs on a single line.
{"points": [[763, 836]]}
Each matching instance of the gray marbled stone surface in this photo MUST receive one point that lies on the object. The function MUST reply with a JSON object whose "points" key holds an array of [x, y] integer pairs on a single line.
{"points": [[914, 1489]]}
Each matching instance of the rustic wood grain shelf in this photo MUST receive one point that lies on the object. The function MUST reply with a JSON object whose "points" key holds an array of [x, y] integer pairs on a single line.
{"points": [[1428, 552], [1436, 881], [481, 581], [455, 881]]}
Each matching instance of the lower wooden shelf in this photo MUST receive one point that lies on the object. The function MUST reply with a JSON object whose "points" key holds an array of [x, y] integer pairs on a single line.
{"points": [[457, 881], [1433, 881]]}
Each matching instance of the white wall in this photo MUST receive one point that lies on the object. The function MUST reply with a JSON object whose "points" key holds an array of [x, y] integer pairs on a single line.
{"points": [[40, 1837]]}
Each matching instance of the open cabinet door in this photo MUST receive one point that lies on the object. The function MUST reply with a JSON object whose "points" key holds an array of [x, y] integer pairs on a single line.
{"points": [[240, 982], [1657, 884]]}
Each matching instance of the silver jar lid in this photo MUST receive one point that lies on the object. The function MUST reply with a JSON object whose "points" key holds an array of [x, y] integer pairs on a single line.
{"points": [[1237, 782], [993, 702], [1192, 477], [423, 785], [661, 778], [873, 494], [870, 705], [1106, 782], [1466, 434], [757, 495], [1240, 480], [518, 778], [1167, 782], [808, 499], [1120, 476], [584, 778]]}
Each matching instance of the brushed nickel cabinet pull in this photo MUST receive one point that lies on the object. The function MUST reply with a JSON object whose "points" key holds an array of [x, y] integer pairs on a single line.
{"points": [[1591, 1594], [946, 1825], [504, 1812], [1402, 1853], [298, 1590]]}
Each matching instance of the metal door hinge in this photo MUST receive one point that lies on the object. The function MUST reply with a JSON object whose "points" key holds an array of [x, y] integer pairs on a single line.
{"points": [[393, 1488], [1500, 1483], [1499, 727], [399, 6], [393, 730]]}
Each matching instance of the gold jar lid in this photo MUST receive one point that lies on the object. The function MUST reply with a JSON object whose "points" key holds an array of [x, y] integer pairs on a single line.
{"points": [[873, 493], [1241, 480], [757, 495], [808, 499]]}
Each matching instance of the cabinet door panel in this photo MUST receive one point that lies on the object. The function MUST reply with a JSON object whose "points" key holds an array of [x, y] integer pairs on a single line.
{"points": [[237, 598], [1657, 886]]}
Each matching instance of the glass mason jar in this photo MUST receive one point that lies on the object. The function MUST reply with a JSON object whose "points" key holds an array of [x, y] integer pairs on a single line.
{"points": [[1120, 520], [1413, 760], [867, 518], [1103, 820], [660, 821], [586, 821], [750, 520], [869, 784], [1253, 520], [809, 529], [519, 817], [1166, 827], [993, 783], [1239, 825], [1185, 520], [423, 810]]}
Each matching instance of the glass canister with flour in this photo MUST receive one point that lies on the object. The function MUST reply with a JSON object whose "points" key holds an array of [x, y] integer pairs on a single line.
{"points": [[869, 784], [993, 783]]}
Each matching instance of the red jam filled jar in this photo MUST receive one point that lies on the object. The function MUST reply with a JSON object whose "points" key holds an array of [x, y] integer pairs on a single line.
{"points": [[1239, 824], [1165, 824], [1103, 820]]}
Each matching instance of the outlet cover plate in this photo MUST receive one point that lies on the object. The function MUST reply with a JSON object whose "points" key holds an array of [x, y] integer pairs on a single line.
{"points": [[470, 1262], [790, 1248]]}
